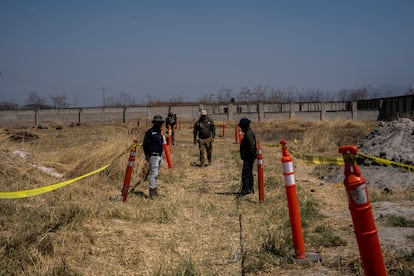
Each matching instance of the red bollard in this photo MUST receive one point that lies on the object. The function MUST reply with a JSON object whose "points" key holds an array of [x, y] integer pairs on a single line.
{"points": [[138, 122], [167, 153], [293, 204], [169, 139], [240, 135], [260, 179], [224, 129], [128, 173], [361, 212], [236, 133]]}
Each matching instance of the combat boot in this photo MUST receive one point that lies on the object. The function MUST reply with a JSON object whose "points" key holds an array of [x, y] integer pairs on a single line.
{"points": [[153, 193]]}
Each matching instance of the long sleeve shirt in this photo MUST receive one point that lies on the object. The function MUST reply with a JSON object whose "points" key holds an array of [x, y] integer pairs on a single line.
{"points": [[248, 145], [153, 142]]}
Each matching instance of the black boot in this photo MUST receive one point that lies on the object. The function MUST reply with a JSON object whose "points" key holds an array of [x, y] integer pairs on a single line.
{"points": [[153, 193]]}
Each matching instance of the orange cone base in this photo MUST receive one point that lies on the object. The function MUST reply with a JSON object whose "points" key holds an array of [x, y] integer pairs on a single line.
{"points": [[310, 257]]}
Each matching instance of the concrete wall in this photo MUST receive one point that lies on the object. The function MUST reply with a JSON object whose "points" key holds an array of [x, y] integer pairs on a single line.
{"points": [[394, 107], [383, 109]]}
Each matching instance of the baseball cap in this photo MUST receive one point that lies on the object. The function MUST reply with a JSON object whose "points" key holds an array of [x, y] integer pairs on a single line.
{"points": [[244, 122]]}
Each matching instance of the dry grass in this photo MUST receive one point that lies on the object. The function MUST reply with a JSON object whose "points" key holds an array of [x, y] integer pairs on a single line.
{"points": [[196, 227]]}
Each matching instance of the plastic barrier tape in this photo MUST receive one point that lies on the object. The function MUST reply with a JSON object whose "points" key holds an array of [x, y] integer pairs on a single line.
{"points": [[319, 160], [407, 167], [45, 189], [323, 160], [41, 190]]}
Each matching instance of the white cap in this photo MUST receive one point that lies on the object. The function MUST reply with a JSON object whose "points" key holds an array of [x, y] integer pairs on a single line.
{"points": [[203, 112]]}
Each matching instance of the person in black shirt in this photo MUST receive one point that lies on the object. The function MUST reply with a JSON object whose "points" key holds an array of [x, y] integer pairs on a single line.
{"points": [[248, 155], [153, 148]]}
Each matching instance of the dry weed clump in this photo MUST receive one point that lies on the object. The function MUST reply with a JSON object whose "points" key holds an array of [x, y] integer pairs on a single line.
{"points": [[313, 137], [197, 226]]}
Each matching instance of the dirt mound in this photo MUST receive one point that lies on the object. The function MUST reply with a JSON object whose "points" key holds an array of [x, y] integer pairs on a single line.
{"points": [[392, 141]]}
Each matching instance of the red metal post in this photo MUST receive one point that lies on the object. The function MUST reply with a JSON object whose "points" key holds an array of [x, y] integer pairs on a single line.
{"points": [[293, 204], [167, 153], [224, 129], [361, 212], [128, 172], [169, 139], [240, 135], [260, 179], [236, 133]]}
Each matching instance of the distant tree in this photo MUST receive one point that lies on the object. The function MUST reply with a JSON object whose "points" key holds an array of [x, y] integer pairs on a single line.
{"points": [[124, 99], [244, 95], [313, 95], [203, 99], [353, 94], [224, 95], [36, 101], [59, 101], [177, 99], [151, 100], [410, 91], [293, 94], [279, 96], [8, 105], [207, 99]]}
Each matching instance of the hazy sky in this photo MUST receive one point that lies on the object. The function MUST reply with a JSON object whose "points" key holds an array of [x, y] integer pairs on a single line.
{"points": [[172, 48]]}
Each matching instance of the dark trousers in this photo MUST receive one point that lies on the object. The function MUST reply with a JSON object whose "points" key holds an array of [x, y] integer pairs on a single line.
{"points": [[247, 177]]}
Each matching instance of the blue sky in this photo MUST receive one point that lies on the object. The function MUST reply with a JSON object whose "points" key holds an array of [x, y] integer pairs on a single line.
{"points": [[168, 49]]}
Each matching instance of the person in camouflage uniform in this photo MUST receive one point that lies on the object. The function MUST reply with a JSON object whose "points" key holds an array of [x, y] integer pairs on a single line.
{"points": [[171, 123], [204, 133]]}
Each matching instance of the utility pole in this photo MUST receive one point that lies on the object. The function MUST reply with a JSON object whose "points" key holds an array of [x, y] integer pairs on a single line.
{"points": [[103, 96]]}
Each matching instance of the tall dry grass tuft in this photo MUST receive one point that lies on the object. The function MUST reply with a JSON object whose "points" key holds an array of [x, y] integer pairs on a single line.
{"points": [[312, 137]]}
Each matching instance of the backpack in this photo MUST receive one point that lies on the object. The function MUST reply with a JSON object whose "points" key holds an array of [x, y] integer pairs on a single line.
{"points": [[204, 129]]}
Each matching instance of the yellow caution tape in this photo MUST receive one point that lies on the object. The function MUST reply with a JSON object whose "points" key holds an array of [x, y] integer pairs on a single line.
{"points": [[386, 162], [41, 190], [319, 160], [323, 160], [273, 146], [45, 189]]}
